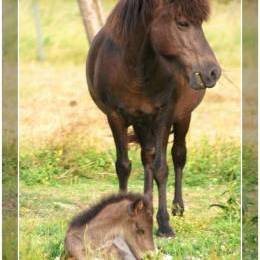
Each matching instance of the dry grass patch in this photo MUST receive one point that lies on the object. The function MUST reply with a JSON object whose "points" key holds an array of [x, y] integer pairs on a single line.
{"points": [[55, 105]]}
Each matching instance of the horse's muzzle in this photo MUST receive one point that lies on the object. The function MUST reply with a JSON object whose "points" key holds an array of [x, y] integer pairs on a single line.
{"points": [[206, 79]]}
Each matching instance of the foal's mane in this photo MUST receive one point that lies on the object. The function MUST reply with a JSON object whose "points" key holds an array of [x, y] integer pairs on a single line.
{"points": [[128, 15], [86, 216]]}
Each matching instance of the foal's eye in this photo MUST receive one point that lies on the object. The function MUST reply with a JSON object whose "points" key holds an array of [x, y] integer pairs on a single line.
{"points": [[139, 230], [182, 24]]}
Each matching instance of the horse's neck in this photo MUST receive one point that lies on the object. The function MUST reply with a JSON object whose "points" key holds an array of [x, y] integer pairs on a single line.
{"points": [[151, 70], [135, 46]]}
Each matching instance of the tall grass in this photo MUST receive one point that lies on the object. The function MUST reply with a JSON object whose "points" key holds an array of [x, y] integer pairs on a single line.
{"points": [[217, 163]]}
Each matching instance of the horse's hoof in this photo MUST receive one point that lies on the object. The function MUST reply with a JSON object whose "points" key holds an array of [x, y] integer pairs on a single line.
{"points": [[177, 210], [165, 232]]}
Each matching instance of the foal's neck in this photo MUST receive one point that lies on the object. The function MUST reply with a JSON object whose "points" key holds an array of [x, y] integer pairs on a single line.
{"points": [[108, 223]]}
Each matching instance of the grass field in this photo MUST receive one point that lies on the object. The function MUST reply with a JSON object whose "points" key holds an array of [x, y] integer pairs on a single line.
{"points": [[57, 183], [67, 152]]}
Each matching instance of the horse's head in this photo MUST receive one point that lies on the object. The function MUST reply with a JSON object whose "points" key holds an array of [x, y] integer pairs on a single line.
{"points": [[178, 38], [139, 227]]}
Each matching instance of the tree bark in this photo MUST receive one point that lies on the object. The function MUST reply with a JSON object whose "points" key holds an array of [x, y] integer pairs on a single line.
{"points": [[92, 15]]}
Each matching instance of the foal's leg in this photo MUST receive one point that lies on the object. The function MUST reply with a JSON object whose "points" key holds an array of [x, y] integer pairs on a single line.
{"points": [[161, 175], [123, 165], [179, 152]]}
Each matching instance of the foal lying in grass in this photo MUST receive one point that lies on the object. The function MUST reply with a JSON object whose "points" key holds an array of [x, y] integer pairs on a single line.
{"points": [[119, 226]]}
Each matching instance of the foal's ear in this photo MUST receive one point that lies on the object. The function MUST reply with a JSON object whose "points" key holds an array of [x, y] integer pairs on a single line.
{"points": [[136, 207]]}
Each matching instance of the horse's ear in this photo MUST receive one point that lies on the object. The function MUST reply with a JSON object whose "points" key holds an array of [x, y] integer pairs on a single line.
{"points": [[136, 207]]}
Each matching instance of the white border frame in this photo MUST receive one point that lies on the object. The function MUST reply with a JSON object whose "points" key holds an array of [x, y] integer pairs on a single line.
{"points": [[1, 141]]}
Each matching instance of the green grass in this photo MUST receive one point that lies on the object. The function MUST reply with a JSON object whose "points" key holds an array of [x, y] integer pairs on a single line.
{"points": [[9, 201], [250, 217], [65, 40], [56, 181], [63, 165]]}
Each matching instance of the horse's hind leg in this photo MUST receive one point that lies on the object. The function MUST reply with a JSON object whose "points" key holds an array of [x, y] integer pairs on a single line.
{"points": [[123, 165], [179, 152]]}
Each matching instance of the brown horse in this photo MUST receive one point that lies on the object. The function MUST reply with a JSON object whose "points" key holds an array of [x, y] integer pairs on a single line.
{"points": [[149, 67], [119, 226]]}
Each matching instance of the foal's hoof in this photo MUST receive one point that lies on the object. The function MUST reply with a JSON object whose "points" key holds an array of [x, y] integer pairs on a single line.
{"points": [[177, 209], [165, 232]]}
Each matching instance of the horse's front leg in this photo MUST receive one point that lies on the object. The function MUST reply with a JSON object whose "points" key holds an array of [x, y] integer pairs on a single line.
{"points": [[160, 176], [123, 165], [146, 139], [179, 152]]}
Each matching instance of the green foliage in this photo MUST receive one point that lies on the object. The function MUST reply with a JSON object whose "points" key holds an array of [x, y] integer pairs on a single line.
{"points": [[250, 217], [53, 236], [219, 241], [250, 163], [218, 162], [231, 207], [62, 28], [9, 202], [202, 232], [58, 165], [55, 246]]}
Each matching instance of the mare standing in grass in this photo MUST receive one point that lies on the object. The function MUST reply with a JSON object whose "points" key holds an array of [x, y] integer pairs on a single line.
{"points": [[149, 67]]}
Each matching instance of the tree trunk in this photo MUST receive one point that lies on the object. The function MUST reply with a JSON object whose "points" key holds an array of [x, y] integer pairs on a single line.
{"points": [[92, 15]]}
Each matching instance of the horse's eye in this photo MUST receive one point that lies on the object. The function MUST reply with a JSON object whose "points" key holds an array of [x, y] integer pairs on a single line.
{"points": [[182, 24]]}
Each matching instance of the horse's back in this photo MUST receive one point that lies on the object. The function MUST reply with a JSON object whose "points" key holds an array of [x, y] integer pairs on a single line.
{"points": [[93, 55]]}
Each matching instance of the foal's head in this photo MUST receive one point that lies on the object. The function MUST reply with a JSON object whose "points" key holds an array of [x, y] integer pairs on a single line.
{"points": [[138, 227], [178, 37]]}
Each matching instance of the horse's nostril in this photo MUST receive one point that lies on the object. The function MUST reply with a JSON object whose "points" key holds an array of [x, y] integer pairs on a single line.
{"points": [[215, 73], [210, 76]]}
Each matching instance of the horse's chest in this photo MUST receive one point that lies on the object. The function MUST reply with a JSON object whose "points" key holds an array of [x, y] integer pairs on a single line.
{"points": [[186, 102], [138, 108]]}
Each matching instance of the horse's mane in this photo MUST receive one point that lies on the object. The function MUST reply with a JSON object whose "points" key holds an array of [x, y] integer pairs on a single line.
{"points": [[130, 14], [196, 11], [86, 216]]}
